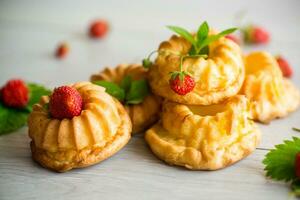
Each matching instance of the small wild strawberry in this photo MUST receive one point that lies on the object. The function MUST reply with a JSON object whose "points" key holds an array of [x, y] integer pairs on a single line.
{"points": [[297, 165], [181, 82], [256, 35], [98, 29], [62, 50], [65, 102], [284, 66], [15, 94], [233, 38]]}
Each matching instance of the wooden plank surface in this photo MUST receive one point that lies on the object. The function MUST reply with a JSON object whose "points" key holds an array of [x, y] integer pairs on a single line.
{"points": [[30, 31]]}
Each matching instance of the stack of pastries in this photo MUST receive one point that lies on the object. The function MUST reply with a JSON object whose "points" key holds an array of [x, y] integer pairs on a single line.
{"points": [[208, 128]]}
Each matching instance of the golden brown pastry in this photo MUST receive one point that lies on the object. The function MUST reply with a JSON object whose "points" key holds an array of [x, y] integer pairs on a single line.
{"points": [[102, 128], [271, 95], [143, 114], [218, 77], [204, 137]]}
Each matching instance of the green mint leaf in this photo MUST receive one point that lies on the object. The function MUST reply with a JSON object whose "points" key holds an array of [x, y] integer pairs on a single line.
{"points": [[227, 32], [280, 162], [183, 33], [11, 119], [36, 92], [112, 89], [137, 92], [213, 38], [202, 32], [125, 83]]}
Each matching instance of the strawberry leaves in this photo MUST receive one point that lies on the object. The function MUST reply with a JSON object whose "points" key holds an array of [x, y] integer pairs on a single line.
{"points": [[11, 118], [202, 40], [129, 91], [280, 163]]}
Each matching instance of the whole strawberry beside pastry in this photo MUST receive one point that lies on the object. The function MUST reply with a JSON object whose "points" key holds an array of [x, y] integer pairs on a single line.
{"points": [[16, 100]]}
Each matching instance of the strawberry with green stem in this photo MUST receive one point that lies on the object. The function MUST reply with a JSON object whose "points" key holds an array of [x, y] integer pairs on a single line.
{"points": [[16, 101], [181, 82], [254, 34]]}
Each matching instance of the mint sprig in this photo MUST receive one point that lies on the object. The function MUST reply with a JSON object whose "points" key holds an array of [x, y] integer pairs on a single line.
{"points": [[201, 41], [129, 91], [11, 118]]}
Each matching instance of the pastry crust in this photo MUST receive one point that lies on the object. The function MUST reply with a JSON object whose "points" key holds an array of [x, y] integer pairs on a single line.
{"points": [[271, 95], [142, 115], [218, 77], [204, 137], [102, 129]]}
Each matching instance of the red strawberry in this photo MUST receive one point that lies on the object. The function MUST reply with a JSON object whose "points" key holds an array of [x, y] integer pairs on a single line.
{"points": [[181, 83], [98, 29], [65, 102], [15, 94], [284, 66], [297, 165], [256, 35], [62, 50], [233, 38]]}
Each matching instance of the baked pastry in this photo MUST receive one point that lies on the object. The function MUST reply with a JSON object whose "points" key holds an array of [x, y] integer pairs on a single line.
{"points": [[216, 78], [143, 114], [102, 128], [271, 95], [204, 137]]}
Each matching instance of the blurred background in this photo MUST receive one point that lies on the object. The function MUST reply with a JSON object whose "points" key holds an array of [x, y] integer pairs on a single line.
{"points": [[31, 30]]}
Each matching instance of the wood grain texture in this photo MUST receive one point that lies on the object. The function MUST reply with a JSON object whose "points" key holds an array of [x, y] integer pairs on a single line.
{"points": [[29, 34]]}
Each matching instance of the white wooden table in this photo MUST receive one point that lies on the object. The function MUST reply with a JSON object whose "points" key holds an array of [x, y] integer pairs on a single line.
{"points": [[29, 33]]}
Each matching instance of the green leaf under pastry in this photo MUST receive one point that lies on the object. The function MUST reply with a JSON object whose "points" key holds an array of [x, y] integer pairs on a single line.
{"points": [[137, 92], [11, 119], [112, 89]]}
